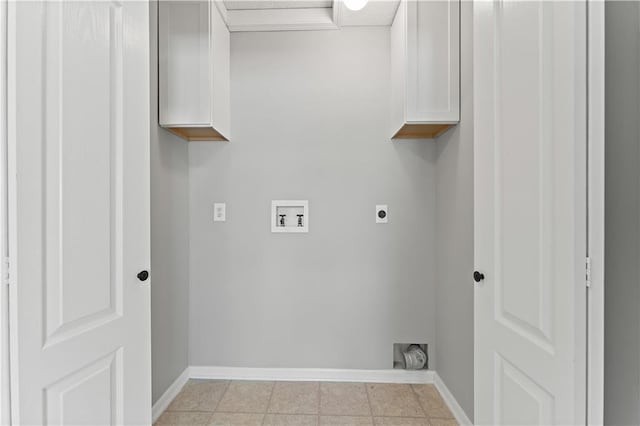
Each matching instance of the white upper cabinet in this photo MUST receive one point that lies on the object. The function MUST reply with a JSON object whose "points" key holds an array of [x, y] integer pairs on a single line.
{"points": [[425, 68], [194, 65]]}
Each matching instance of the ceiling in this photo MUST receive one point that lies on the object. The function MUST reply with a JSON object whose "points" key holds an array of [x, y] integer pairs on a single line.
{"points": [[260, 13], [275, 4], [376, 12]]}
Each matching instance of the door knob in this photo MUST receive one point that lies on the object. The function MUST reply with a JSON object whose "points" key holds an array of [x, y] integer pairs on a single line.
{"points": [[478, 276], [143, 275]]}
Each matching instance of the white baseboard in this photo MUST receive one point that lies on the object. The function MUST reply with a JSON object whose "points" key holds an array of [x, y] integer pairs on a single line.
{"points": [[448, 397], [172, 391], [312, 374]]}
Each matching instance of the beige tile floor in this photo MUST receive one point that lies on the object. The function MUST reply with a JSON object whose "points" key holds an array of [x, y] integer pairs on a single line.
{"points": [[244, 403]]}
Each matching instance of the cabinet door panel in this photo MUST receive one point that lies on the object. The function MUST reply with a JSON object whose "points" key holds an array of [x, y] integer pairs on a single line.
{"points": [[433, 55]]}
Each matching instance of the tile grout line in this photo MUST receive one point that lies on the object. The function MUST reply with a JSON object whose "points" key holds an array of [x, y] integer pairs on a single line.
{"points": [[319, 403], [366, 391], [417, 398], [306, 414], [226, 389], [266, 410], [249, 412], [319, 400], [215, 409], [426, 412], [316, 415]]}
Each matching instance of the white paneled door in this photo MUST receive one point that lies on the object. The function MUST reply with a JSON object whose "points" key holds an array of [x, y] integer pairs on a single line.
{"points": [[78, 125], [530, 212]]}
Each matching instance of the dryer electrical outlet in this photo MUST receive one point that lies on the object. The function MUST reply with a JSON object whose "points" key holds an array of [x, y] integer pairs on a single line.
{"points": [[382, 213]]}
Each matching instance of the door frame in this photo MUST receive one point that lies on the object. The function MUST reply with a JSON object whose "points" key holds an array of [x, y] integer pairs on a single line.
{"points": [[596, 60], [5, 388], [595, 209]]}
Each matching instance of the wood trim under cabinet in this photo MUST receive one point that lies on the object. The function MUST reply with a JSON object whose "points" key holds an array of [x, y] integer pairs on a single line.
{"points": [[193, 134], [422, 131]]}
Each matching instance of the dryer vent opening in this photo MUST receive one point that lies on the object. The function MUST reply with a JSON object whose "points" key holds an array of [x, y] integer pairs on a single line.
{"points": [[411, 356]]}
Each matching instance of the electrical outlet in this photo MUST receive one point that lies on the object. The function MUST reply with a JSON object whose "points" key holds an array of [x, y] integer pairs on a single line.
{"points": [[219, 212], [382, 213]]}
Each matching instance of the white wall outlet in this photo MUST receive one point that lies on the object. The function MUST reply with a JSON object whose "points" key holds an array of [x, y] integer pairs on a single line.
{"points": [[219, 212], [382, 213]]}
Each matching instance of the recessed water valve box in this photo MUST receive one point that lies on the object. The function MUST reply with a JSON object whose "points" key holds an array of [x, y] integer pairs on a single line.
{"points": [[290, 216]]}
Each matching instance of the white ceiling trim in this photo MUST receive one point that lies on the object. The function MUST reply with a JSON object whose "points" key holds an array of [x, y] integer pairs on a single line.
{"points": [[280, 19], [379, 12], [275, 4], [337, 12]]}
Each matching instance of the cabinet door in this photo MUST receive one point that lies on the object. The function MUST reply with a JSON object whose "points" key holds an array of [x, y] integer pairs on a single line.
{"points": [[433, 61], [184, 63], [194, 70], [425, 68], [220, 42], [78, 79], [530, 212]]}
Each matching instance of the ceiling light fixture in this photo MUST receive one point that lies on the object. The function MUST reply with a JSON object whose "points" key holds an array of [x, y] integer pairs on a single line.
{"points": [[355, 4]]}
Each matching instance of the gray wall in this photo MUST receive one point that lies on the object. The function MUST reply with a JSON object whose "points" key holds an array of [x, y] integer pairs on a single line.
{"points": [[454, 200], [310, 119], [169, 243], [622, 214]]}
